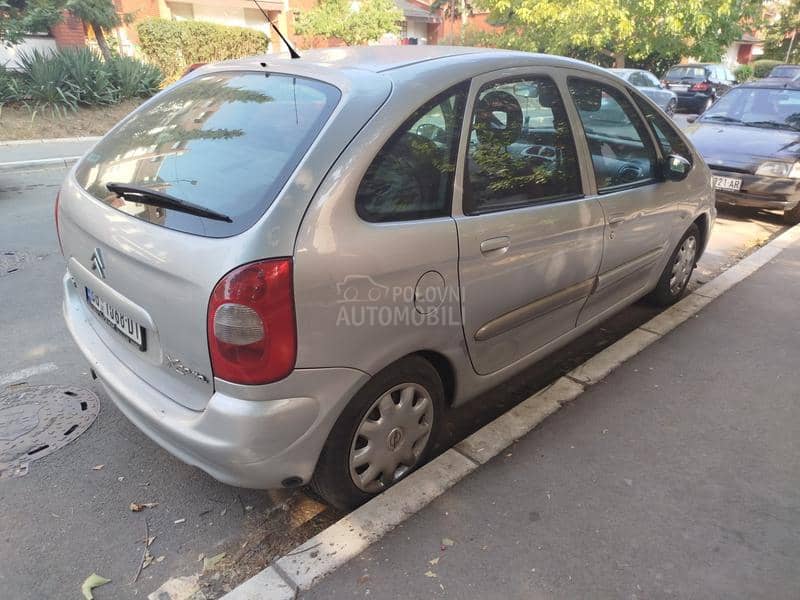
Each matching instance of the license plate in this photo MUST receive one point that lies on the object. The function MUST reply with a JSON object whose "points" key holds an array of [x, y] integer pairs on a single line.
{"points": [[728, 184], [118, 320], [678, 87]]}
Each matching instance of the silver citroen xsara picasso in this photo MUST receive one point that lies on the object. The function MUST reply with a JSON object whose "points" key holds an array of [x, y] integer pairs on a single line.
{"points": [[286, 271]]}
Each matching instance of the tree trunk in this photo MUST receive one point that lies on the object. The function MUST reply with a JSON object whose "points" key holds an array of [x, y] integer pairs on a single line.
{"points": [[619, 60], [791, 43], [464, 17], [101, 42]]}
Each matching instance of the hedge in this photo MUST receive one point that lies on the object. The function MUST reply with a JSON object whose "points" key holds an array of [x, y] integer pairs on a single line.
{"points": [[761, 68], [174, 45], [743, 73]]}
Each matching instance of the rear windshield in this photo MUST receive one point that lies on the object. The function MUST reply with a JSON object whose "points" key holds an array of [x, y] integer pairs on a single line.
{"points": [[686, 72], [784, 72], [226, 142]]}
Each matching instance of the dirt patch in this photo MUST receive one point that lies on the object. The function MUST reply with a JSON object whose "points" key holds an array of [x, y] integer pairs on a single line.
{"points": [[18, 123]]}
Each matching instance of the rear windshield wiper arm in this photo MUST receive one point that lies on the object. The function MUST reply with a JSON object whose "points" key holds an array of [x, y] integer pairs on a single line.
{"points": [[155, 198]]}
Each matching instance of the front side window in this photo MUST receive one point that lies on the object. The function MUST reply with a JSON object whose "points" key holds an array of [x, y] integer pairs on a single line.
{"points": [[412, 175], [621, 149], [521, 149], [669, 139], [225, 142]]}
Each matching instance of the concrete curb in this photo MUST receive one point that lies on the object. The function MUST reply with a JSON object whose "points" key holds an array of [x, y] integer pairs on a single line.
{"points": [[16, 165], [91, 138], [301, 568]]}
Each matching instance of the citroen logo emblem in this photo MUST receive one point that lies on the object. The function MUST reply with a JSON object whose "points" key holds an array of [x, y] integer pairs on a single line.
{"points": [[97, 263]]}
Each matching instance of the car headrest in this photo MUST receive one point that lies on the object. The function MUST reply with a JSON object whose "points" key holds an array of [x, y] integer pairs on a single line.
{"points": [[498, 118]]}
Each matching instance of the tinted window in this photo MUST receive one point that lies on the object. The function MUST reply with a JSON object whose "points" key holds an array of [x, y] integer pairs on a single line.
{"points": [[638, 79], [686, 72], [521, 149], [224, 141], [668, 138], [652, 80], [787, 72], [412, 175], [622, 153]]}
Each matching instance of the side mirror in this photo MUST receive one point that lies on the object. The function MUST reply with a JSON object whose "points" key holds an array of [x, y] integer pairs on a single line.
{"points": [[676, 168], [691, 118]]}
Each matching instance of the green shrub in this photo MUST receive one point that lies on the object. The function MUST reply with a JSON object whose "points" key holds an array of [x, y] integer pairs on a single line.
{"points": [[743, 73], [133, 78], [45, 83], [89, 76], [174, 45], [761, 68]]}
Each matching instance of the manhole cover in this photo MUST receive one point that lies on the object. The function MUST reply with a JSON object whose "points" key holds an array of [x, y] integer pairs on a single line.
{"points": [[11, 261], [35, 421]]}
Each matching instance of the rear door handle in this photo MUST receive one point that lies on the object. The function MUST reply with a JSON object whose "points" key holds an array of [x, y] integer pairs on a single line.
{"points": [[494, 244], [614, 221]]}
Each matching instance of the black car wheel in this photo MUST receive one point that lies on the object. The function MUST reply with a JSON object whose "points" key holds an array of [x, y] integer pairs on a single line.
{"points": [[678, 270], [672, 106], [792, 216]]}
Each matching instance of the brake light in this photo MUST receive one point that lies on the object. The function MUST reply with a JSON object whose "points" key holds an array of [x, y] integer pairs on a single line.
{"points": [[703, 86], [58, 231], [252, 336]]}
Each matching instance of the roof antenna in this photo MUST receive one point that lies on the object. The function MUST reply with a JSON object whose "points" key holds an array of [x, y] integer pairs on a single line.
{"points": [[292, 52]]}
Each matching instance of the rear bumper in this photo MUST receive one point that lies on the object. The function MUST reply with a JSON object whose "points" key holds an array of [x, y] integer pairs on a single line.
{"points": [[760, 192], [254, 443], [692, 100]]}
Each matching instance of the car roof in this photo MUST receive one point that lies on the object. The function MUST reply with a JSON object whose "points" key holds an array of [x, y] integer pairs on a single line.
{"points": [[773, 83], [380, 59]]}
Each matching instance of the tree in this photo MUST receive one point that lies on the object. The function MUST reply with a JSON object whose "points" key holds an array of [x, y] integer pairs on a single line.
{"points": [[21, 17], [622, 29], [100, 15], [783, 35], [352, 22], [452, 10]]}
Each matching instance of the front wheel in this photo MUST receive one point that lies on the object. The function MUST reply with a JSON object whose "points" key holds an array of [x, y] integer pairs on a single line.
{"points": [[792, 216], [383, 434], [678, 271]]}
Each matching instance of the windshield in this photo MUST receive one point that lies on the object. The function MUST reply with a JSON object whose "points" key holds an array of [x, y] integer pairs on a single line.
{"points": [[776, 108], [785, 72], [686, 73], [226, 142]]}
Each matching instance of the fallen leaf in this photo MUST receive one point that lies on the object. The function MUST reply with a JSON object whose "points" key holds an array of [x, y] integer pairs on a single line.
{"points": [[201, 557], [97, 467], [140, 506], [210, 563], [149, 541], [160, 558], [430, 574], [120, 479], [363, 579], [92, 581], [148, 558], [447, 542], [179, 521], [434, 561]]}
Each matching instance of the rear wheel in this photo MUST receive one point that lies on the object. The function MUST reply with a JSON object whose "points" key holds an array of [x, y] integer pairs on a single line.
{"points": [[672, 106], [678, 271], [384, 433], [792, 216]]}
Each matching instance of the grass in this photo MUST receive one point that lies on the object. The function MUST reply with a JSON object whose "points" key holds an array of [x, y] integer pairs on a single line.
{"points": [[16, 122]]}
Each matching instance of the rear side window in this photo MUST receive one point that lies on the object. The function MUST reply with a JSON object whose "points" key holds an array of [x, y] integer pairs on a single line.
{"points": [[669, 139], [227, 142], [619, 142], [412, 175]]}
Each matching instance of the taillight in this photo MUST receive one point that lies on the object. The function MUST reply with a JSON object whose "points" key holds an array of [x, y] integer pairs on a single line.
{"points": [[58, 231], [252, 336], [703, 86]]}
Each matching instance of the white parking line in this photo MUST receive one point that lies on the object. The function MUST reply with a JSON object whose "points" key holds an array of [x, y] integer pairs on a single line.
{"points": [[22, 374]]}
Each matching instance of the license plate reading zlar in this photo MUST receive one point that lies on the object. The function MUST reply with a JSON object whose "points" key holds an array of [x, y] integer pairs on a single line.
{"points": [[730, 184], [119, 321]]}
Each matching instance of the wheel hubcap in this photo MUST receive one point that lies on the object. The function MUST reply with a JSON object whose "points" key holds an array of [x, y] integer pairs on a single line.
{"points": [[683, 265], [391, 437]]}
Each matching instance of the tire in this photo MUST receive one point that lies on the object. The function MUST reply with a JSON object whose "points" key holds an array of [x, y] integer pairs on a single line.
{"points": [[667, 292], [672, 106], [335, 477], [792, 216]]}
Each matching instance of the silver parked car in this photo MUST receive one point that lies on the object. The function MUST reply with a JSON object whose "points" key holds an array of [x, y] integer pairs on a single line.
{"points": [[650, 86], [286, 271]]}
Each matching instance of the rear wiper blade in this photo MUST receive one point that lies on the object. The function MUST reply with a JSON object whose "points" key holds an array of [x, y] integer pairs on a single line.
{"points": [[145, 195]]}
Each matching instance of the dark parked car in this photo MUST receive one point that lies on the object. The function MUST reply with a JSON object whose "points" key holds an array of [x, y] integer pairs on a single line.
{"points": [[751, 141], [650, 86], [785, 72], [698, 85]]}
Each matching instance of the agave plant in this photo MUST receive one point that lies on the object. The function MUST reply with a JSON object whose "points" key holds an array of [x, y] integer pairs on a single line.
{"points": [[45, 84], [89, 74], [134, 78]]}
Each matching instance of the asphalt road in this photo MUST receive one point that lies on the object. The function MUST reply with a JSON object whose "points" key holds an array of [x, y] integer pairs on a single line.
{"points": [[64, 519]]}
